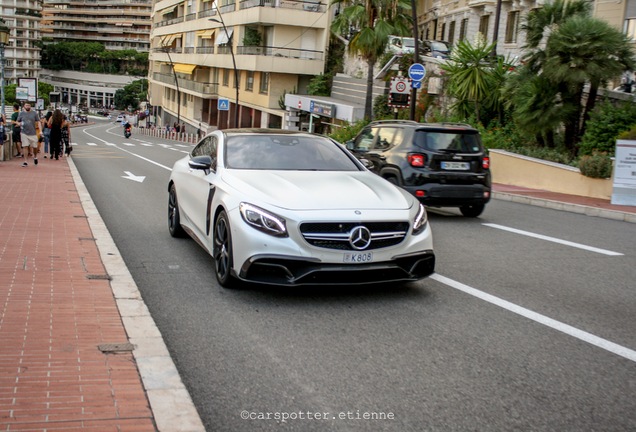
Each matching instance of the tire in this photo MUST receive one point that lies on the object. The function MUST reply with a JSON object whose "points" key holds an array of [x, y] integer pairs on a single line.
{"points": [[472, 210], [174, 218], [393, 180], [222, 251]]}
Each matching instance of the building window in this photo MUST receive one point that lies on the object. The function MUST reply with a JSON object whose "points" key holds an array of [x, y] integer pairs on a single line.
{"points": [[249, 81], [483, 25], [443, 34], [226, 77], [462, 29], [630, 28], [511, 27], [264, 88], [451, 32]]}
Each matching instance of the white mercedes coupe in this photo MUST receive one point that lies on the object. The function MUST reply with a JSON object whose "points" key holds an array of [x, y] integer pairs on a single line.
{"points": [[293, 208]]}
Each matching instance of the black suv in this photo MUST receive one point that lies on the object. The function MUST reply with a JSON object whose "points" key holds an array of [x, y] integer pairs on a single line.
{"points": [[442, 164]]}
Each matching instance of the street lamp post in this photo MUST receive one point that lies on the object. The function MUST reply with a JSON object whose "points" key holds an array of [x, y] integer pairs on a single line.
{"points": [[166, 49], [236, 82], [4, 40]]}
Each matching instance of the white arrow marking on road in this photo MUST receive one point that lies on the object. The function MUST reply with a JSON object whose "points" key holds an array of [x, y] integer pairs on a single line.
{"points": [[131, 176]]}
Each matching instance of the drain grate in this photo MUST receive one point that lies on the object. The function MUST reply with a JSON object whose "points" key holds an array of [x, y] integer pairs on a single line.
{"points": [[98, 277], [116, 347]]}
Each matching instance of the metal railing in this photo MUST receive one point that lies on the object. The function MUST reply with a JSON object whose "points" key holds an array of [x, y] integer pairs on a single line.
{"points": [[313, 6], [207, 88], [280, 52]]}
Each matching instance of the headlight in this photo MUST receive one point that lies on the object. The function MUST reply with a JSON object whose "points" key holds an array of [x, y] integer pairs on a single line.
{"points": [[262, 220], [419, 223]]}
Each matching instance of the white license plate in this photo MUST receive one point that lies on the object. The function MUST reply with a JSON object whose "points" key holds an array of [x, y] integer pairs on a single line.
{"points": [[461, 166], [358, 257]]}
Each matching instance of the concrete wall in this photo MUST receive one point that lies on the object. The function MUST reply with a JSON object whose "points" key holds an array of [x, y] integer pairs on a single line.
{"points": [[511, 169]]}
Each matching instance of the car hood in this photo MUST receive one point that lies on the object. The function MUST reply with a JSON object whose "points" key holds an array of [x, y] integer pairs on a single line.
{"points": [[311, 190]]}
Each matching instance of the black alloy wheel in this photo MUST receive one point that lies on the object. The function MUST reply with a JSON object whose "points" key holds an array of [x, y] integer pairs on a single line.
{"points": [[222, 252], [472, 210], [174, 220]]}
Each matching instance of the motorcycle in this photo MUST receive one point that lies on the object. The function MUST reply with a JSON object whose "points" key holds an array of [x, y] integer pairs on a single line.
{"points": [[127, 132]]}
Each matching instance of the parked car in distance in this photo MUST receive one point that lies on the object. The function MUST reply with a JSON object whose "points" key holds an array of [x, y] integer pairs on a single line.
{"points": [[402, 45], [442, 164], [436, 49], [120, 118], [293, 208]]}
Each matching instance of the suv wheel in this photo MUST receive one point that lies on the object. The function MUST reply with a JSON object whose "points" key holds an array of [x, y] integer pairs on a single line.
{"points": [[472, 210], [392, 179]]}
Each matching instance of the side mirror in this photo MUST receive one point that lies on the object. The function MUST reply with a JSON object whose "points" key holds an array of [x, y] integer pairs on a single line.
{"points": [[349, 145], [367, 163], [201, 163]]}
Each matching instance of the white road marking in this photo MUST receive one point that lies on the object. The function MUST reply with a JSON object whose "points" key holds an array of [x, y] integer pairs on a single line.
{"points": [[554, 240], [91, 144], [599, 342], [126, 151]]}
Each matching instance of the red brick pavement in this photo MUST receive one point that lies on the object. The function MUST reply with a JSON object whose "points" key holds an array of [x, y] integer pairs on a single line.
{"points": [[55, 311]]}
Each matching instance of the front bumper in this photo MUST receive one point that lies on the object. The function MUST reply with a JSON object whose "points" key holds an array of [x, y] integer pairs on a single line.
{"points": [[294, 271]]}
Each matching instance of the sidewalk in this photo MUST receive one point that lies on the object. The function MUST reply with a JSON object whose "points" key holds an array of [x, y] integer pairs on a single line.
{"points": [[572, 203], [78, 348]]}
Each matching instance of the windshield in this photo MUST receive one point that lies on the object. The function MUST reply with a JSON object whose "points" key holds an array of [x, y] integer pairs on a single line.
{"points": [[439, 47], [409, 42], [286, 152], [464, 142]]}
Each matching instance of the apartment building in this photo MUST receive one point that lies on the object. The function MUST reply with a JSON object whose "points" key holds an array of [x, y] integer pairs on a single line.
{"points": [[454, 20], [118, 25], [202, 51], [22, 54]]}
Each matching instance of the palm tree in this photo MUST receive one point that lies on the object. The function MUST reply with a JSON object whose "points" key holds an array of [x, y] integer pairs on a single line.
{"points": [[375, 20], [567, 49], [584, 51], [475, 79]]}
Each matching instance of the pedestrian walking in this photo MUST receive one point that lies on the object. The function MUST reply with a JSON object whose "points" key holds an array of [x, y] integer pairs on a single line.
{"points": [[66, 136], [3, 131], [30, 126], [46, 133], [55, 124], [16, 130]]}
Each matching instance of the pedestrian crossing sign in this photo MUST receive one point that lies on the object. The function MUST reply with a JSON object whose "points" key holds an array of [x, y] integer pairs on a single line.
{"points": [[223, 105]]}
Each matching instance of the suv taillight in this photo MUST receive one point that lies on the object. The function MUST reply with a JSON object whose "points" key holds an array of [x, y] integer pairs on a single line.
{"points": [[485, 162], [416, 159]]}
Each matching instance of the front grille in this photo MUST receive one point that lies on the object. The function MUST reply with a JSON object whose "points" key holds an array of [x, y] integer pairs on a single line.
{"points": [[335, 235]]}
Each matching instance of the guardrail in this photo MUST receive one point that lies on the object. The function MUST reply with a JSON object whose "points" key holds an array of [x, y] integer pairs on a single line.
{"points": [[162, 133]]}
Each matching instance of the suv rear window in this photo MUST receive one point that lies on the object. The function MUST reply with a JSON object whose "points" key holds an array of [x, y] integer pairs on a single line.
{"points": [[448, 141]]}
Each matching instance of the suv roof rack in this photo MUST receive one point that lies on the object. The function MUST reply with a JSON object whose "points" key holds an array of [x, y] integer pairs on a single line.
{"points": [[394, 121]]}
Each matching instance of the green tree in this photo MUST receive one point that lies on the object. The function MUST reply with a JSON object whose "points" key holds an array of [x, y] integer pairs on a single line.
{"points": [[374, 20], [475, 79], [586, 50], [567, 49]]}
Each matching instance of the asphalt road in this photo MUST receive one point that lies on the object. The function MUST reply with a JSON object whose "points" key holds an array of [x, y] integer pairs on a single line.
{"points": [[532, 329]]}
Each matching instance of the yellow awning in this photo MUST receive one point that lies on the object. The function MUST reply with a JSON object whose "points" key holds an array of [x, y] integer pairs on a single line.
{"points": [[168, 10], [167, 40], [206, 34], [184, 68]]}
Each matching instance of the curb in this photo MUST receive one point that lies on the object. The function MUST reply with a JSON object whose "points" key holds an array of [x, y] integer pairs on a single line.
{"points": [[569, 207], [170, 402]]}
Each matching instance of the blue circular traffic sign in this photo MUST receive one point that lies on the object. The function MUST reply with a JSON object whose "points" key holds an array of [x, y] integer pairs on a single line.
{"points": [[417, 72]]}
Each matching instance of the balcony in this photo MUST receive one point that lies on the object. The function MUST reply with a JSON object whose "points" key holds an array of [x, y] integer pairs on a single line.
{"points": [[312, 6], [202, 88], [275, 52]]}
